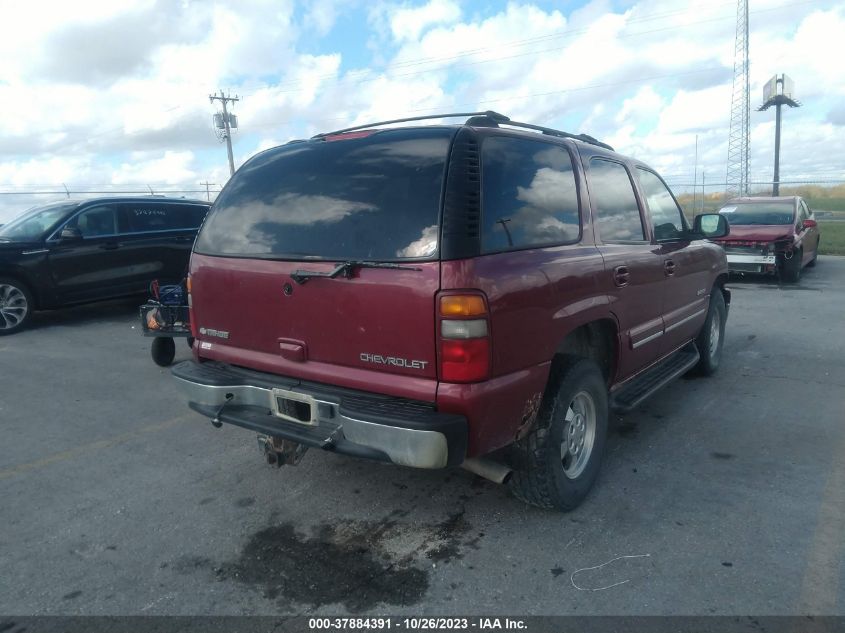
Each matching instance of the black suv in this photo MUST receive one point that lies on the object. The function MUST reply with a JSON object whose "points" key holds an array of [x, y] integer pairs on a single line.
{"points": [[78, 251]]}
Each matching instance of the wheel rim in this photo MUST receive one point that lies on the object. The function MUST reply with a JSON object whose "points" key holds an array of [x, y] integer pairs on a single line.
{"points": [[579, 434], [715, 333], [13, 306]]}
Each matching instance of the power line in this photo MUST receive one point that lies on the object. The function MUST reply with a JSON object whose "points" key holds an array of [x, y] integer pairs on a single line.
{"points": [[522, 96], [145, 192], [295, 85], [398, 65]]}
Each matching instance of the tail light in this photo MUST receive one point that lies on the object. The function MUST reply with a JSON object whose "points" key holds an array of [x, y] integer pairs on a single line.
{"points": [[464, 338], [191, 308]]}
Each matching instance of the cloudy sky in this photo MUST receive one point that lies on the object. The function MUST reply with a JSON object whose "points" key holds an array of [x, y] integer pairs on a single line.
{"points": [[111, 94]]}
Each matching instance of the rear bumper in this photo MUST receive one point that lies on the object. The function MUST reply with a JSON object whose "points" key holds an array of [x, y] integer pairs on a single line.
{"points": [[751, 259], [751, 263], [362, 424]]}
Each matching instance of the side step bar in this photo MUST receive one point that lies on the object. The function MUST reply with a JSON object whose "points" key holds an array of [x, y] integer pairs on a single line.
{"points": [[632, 393]]}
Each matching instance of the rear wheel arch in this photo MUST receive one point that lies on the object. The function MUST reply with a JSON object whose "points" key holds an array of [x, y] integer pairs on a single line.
{"points": [[596, 340], [24, 281], [33, 289]]}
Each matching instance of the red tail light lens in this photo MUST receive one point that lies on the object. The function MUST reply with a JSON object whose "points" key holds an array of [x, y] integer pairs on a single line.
{"points": [[464, 334], [466, 360], [191, 308]]}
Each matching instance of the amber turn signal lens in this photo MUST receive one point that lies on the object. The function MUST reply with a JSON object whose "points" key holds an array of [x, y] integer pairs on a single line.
{"points": [[188, 283], [462, 305]]}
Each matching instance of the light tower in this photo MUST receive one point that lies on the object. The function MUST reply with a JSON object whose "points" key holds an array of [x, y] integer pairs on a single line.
{"points": [[773, 97], [737, 175]]}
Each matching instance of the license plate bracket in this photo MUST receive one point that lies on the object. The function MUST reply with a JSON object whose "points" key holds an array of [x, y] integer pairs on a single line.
{"points": [[294, 407]]}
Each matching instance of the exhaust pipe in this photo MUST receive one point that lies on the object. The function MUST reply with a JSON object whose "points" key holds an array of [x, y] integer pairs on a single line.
{"points": [[494, 471]]}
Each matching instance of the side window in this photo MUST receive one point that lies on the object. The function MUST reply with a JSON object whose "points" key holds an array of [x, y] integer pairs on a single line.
{"points": [[617, 211], [662, 209], [529, 197], [96, 222]]}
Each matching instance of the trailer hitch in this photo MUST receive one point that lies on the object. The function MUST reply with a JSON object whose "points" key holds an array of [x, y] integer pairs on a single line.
{"points": [[280, 452]]}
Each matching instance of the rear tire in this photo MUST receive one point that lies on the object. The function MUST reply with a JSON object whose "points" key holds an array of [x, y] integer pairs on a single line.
{"points": [[15, 306], [712, 335], [163, 351], [790, 271], [556, 464]]}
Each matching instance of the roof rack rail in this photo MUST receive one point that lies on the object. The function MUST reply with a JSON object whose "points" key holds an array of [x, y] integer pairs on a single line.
{"points": [[494, 118], [585, 138], [499, 118]]}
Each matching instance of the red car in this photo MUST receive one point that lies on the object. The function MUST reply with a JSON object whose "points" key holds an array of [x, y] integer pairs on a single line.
{"points": [[476, 295], [771, 236]]}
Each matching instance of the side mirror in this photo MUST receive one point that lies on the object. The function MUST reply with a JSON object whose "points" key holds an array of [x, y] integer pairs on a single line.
{"points": [[70, 234], [809, 224], [711, 225]]}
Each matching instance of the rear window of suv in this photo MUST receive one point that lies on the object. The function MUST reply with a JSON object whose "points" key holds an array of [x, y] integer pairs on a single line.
{"points": [[375, 197]]}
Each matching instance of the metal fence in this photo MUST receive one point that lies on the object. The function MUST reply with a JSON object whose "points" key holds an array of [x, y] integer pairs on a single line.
{"points": [[822, 195]]}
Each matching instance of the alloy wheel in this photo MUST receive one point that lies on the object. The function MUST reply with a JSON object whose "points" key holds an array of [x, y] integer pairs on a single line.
{"points": [[13, 306], [579, 434]]}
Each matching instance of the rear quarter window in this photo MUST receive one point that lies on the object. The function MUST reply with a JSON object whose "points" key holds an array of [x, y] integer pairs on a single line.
{"points": [[529, 195], [376, 197]]}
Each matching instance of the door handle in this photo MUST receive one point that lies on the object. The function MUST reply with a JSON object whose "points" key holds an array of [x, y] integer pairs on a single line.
{"points": [[109, 246], [669, 267], [621, 276]]}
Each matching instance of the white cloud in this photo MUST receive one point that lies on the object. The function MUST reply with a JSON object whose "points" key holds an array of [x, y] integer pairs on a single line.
{"points": [[407, 23], [695, 110], [172, 168], [647, 79], [321, 15], [644, 105]]}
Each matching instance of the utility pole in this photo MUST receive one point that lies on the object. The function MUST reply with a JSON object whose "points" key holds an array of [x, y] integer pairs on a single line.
{"points": [[774, 97], [207, 190], [226, 122], [695, 175], [504, 223]]}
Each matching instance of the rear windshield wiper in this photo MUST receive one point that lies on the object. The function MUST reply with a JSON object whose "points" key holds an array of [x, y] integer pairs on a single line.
{"points": [[345, 269]]}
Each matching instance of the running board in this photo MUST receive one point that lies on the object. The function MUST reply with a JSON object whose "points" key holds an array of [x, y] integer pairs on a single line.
{"points": [[654, 378]]}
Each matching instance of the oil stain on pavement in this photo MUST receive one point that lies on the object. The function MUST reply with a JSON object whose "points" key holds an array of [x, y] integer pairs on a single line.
{"points": [[359, 564]]}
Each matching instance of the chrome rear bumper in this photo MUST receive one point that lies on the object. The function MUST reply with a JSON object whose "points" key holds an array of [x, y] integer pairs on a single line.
{"points": [[403, 432]]}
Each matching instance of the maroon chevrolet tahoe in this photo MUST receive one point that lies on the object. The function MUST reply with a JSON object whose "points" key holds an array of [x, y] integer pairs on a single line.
{"points": [[476, 295]]}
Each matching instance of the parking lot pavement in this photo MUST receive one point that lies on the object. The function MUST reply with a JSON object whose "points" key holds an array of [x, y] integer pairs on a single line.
{"points": [[723, 495]]}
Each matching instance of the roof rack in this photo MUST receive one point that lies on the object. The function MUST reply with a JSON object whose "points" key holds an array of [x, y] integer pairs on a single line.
{"points": [[585, 138], [489, 113], [487, 118]]}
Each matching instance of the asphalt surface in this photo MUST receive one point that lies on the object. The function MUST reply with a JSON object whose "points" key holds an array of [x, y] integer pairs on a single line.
{"points": [[723, 495]]}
